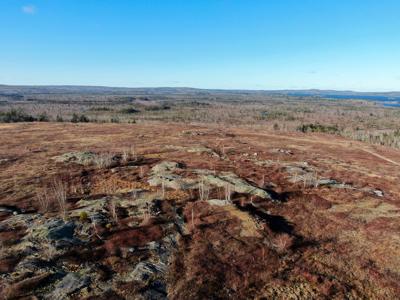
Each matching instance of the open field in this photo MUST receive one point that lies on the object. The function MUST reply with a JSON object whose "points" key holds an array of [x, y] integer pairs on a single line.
{"points": [[156, 209]]}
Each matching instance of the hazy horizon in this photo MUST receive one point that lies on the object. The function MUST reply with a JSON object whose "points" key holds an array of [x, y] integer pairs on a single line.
{"points": [[190, 87]]}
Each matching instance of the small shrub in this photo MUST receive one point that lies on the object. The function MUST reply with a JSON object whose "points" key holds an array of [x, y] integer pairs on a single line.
{"points": [[43, 117], [59, 190], [79, 119], [83, 119], [83, 216], [282, 242], [129, 110], [43, 200], [75, 118], [101, 108], [104, 160], [157, 107], [274, 115], [128, 154]]}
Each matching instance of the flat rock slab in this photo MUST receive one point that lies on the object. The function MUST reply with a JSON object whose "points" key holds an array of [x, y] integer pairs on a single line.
{"points": [[82, 158]]}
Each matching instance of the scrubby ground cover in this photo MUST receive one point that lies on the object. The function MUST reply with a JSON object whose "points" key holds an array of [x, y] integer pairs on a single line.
{"points": [[355, 119], [156, 211]]}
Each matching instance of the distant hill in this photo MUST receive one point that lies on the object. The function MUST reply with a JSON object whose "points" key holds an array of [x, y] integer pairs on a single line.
{"points": [[103, 90], [72, 89]]}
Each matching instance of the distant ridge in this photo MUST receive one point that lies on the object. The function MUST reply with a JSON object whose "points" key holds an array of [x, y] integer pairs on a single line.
{"points": [[77, 89]]}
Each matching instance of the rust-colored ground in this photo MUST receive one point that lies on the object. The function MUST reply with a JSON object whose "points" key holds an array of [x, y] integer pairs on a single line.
{"points": [[312, 242]]}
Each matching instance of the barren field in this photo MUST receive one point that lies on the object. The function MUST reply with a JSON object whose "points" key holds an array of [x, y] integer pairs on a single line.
{"points": [[156, 211]]}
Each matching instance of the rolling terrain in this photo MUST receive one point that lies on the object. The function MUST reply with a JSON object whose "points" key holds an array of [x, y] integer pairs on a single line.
{"points": [[157, 210]]}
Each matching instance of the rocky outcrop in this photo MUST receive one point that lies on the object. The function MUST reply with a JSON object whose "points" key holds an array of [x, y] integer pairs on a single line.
{"points": [[164, 174], [83, 158], [71, 283]]}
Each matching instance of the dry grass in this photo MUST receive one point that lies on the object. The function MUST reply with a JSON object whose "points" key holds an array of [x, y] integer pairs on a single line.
{"points": [[115, 184], [59, 189], [228, 191], [282, 242], [112, 207], [146, 216], [129, 154], [204, 190], [104, 160], [43, 199]]}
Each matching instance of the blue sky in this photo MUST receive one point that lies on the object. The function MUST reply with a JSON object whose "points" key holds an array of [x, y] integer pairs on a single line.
{"points": [[251, 44]]}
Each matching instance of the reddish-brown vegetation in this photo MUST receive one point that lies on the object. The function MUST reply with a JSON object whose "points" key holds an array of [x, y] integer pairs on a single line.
{"points": [[314, 239]]}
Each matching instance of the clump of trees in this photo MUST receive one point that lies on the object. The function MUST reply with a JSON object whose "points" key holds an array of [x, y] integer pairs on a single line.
{"points": [[333, 129], [19, 115], [15, 115], [79, 118]]}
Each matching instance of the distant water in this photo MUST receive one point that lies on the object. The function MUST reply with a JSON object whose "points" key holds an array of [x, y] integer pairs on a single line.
{"points": [[385, 101]]}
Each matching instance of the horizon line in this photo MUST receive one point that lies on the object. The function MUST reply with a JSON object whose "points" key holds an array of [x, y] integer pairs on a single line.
{"points": [[197, 88]]}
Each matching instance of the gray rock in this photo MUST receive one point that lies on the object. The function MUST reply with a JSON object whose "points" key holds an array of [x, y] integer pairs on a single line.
{"points": [[4, 160], [83, 158], [12, 221], [378, 193], [96, 210], [70, 284], [218, 202], [169, 180], [333, 183], [163, 174], [31, 264], [157, 290], [166, 167], [58, 230], [235, 184], [327, 182], [284, 151], [145, 271]]}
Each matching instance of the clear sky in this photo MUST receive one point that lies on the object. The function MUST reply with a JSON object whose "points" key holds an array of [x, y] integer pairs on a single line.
{"points": [[251, 44]]}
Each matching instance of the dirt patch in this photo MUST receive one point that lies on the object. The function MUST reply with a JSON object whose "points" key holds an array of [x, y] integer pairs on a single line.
{"points": [[133, 238]]}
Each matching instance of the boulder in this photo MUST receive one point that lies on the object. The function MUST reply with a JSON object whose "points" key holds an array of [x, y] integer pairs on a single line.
{"points": [[61, 233], [71, 283], [145, 271], [59, 230]]}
